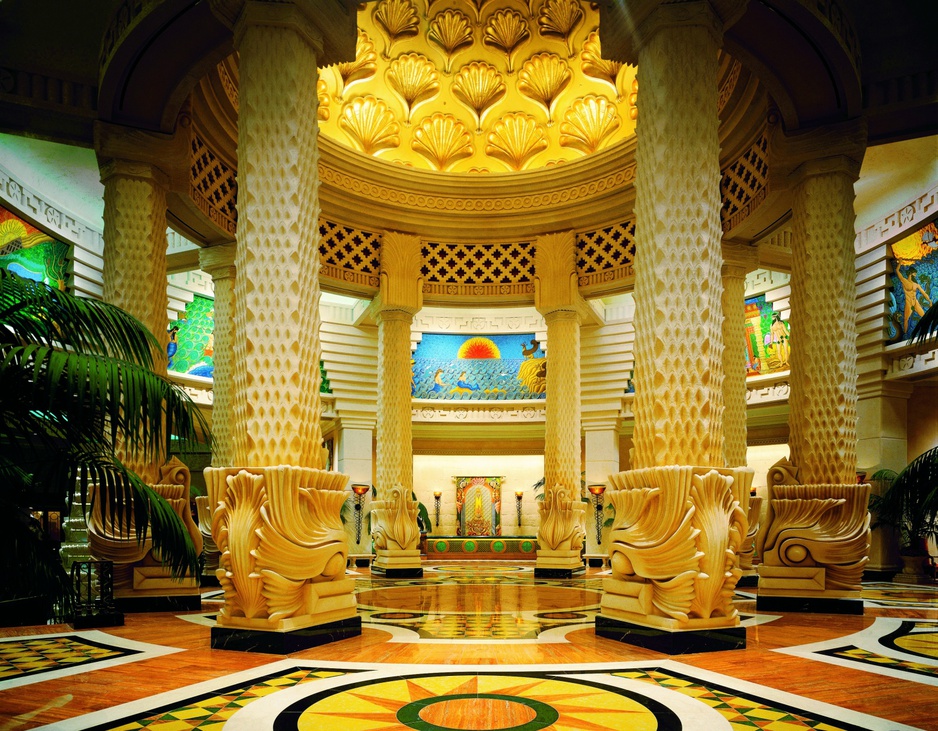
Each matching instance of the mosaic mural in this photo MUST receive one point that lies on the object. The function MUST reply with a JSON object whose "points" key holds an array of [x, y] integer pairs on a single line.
{"points": [[31, 253], [192, 340], [914, 280], [479, 367], [478, 506], [768, 349]]}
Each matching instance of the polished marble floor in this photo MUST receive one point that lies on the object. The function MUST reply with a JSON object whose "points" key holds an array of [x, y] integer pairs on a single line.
{"points": [[483, 646]]}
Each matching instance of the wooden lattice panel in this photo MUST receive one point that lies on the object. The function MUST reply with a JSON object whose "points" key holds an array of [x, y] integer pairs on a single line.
{"points": [[744, 184], [606, 255], [478, 269], [349, 254], [212, 185]]}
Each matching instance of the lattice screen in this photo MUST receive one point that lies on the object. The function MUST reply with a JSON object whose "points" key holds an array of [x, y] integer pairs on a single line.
{"points": [[606, 255], [349, 254], [212, 185], [744, 183], [478, 269]]}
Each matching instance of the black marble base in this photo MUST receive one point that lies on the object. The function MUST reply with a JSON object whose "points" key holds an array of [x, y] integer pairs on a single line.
{"points": [[393, 573], [284, 643], [558, 573], [184, 603], [98, 619], [870, 575], [813, 605], [746, 582], [209, 580], [681, 642]]}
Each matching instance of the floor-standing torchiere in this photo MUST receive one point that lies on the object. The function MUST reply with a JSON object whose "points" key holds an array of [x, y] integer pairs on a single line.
{"points": [[360, 491], [596, 491], [519, 496], [436, 506]]}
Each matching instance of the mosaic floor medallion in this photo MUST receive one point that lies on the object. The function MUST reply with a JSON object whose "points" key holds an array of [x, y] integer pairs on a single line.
{"points": [[900, 596]]}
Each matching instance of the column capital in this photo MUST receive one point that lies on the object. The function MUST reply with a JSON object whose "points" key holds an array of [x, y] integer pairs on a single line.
{"points": [[401, 285], [141, 154], [113, 168], [218, 261], [825, 150], [555, 279], [330, 29], [739, 258]]}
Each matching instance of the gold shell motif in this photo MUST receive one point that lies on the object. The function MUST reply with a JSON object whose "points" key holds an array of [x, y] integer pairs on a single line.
{"points": [[399, 20], [542, 78], [443, 140], [560, 18], [507, 31], [588, 123], [322, 100], [633, 101], [477, 5], [479, 86], [597, 67], [362, 68], [450, 30], [415, 78], [370, 125], [515, 140]]}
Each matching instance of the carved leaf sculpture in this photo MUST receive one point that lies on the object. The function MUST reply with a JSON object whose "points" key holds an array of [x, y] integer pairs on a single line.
{"points": [[399, 20], [450, 30], [560, 528], [370, 125], [479, 86], [415, 78], [515, 140], [542, 78], [588, 123], [560, 18], [395, 521], [597, 67], [506, 31], [443, 140], [322, 100], [363, 67]]}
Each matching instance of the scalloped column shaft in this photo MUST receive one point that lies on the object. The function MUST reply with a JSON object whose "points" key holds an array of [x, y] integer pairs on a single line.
{"points": [[823, 401], [734, 364], [276, 355], [678, 337], [562, 428], [218, 261], [394, 435]]}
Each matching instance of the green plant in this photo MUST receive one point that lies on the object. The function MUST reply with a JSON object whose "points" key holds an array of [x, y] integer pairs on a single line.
{"points": [[79, 398], [910, 502], [925, 328]]}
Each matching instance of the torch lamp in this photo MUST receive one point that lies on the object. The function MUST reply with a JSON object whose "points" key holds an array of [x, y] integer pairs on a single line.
{"points": [[596, 491], [519, 496], [360, 492], [437, 494]]}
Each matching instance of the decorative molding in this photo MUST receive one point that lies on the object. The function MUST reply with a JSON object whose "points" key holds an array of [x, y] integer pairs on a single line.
{"points": [[477, 411], [913, 214], [910, 364], [765, 280], [39, 90], [474, 324], [768, 389]]}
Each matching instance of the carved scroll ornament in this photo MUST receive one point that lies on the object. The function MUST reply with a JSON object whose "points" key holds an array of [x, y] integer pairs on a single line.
{"points": [[562, 514], [395, 521]]}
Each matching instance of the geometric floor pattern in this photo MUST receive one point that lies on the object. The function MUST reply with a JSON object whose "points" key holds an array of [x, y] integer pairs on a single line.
{"points": [[638, 696]]}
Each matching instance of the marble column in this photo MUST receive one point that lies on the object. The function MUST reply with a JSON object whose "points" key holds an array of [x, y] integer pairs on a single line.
{"points": [[561, 533], [276, 516], [681, 515], [395, 532]]}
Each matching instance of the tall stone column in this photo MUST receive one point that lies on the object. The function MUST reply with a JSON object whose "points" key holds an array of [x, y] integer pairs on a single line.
{"points": [[276, 511], [817, 535], [560, 535], [680, 513], [395, 531]]}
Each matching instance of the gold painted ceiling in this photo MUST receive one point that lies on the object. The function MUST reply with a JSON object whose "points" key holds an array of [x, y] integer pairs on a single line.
{"points": [[477, 86]]}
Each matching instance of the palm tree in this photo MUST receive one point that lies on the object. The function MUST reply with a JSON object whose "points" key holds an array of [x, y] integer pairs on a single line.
{"points": [[78, 393]]}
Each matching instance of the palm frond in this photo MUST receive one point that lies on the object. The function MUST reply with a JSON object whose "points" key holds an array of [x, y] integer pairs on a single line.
{"points": [[910, 501], [925, 328]]}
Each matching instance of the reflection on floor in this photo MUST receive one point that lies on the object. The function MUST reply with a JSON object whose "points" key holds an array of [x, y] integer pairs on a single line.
{"points": [[483, 646]]}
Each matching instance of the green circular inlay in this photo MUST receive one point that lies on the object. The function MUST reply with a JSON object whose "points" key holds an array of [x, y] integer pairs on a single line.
{"points": [[441, 546], [498, 546], [527, 546], [469, 546], [409, 715]]}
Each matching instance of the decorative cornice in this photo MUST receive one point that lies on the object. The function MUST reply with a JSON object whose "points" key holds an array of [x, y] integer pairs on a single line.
{"points": [[912, 215], [478, 411], [479, 323]]}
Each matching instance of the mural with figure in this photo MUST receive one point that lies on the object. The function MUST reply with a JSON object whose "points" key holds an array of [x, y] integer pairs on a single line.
{"points": [[479, 367], [192, 340], [914, 280], [768, 347], [31, 253]]}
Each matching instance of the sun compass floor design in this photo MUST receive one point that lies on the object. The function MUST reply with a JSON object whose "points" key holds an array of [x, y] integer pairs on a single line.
{"points": [[646, 696], [906, 596]]}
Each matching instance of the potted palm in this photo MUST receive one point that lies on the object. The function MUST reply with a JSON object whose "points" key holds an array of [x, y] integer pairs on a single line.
{"points": [[79, 396], [909, 503]]}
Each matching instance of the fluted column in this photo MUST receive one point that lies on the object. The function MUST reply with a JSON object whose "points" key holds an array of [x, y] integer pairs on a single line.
{"points": [[276, 515], [680, 513], [561, 534], [218, 262], [395, 531]]}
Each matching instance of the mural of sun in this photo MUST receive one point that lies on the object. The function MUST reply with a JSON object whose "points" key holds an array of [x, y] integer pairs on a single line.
{"points": [[478, 348], [462, 701]]}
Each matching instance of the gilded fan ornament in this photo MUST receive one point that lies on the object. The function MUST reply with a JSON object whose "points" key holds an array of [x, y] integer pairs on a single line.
{"points": [[399, 20], [597, 67], [542, 78], [560, 18], [588, 123], [478, 5], [443, 140], [362, 68], [633, 100], [450, 30], [322, 100], [479, 86], [370, 125], [506, 31], [415, 78], [515, 140]]}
